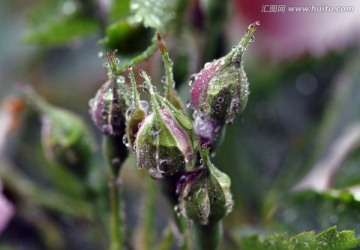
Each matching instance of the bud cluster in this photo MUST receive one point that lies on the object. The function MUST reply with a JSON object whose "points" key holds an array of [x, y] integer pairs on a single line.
{"points": [[164, 139]]}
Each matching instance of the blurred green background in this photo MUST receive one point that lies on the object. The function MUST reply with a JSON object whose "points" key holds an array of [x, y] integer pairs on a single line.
{"points": [[293, 155]]}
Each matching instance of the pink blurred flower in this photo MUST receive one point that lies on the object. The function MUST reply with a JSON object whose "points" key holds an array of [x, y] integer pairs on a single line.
{"points": [[6, 211], [288, 29]]}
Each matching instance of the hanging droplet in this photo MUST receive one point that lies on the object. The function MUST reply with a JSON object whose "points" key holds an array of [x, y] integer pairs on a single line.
{"points": [[144, 105], [125, 141], [155, 174], [120, 79]]}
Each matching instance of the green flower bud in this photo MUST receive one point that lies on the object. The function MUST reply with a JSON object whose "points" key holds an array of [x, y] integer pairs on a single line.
{"points": [[108, 107], [221, 89], [164, 143], [65, 138], [204, 193]]}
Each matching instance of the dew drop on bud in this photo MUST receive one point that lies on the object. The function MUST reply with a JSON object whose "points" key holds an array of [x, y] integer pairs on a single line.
{"points": [[163, 79], [120, 79], [107, 65], [192, 78], [125, 141], [252, 39], [91, 102], [117, 61], [155, 174], [144, 105]]}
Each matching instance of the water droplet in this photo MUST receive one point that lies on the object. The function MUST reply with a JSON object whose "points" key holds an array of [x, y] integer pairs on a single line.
{"points": [[125, 141], [155, 174], [104, 113], [128, 113], [101, 54], [163, 79], [192, 78], [154, 132], [91, 102], [252, 39], [217, 106], [117, 61], [144, 105], [220, 99], [164, 164], [107, 65], [120, 79]]}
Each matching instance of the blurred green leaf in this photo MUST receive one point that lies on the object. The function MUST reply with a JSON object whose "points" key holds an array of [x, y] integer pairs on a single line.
{"points": [[328, 239], [59, 22], [157, 14]]}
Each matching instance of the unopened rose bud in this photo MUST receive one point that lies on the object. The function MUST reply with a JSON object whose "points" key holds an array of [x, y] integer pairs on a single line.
{"points": [[110, 103], [65, 138], [205, 196], [164, 143], [220, 91]]}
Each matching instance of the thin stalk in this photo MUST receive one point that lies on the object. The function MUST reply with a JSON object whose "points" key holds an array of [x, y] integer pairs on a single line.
{"points": [[117, 238], [169, 190], [146, 228], [115, 153], [208, 236]]}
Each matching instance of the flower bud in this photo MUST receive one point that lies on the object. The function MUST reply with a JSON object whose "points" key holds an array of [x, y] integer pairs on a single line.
{"points": [[108, 107], [164, 143], [65, 138], [221, 89], [204, 193]]}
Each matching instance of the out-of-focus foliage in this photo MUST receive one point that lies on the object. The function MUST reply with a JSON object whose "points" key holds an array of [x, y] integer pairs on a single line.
{"points": [[301, 124], [328, 239]]}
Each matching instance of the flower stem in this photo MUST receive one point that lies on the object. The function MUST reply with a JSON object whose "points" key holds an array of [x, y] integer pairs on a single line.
{"points": [[208, 236], [169, 190], [116, 220], [115, 153]]}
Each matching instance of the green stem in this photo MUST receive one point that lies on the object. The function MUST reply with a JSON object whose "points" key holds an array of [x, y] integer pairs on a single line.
{"points": [[115, 153], [208, 236], [146, 228], [169, 190], [117, 234]]}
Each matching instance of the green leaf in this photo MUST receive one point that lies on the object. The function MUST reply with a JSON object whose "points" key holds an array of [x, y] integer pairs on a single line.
{"points": [[58, 22], [156, 14], [328, 239]]}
